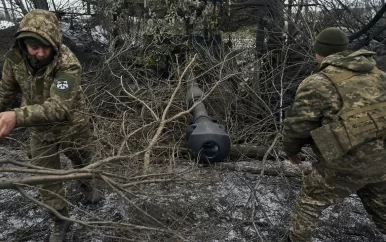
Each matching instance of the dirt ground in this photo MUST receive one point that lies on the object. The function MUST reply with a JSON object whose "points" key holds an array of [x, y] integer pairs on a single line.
{"points": [[212, 205]]}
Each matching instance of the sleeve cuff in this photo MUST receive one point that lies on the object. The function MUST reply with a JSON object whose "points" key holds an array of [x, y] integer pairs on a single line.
{"points": [[20, 120]]}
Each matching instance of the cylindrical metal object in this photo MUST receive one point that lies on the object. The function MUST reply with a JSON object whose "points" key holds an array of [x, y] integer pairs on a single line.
{"points": [[206, 139]]}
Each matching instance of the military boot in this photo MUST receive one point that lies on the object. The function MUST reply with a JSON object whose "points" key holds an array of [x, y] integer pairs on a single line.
{"points": [[60, 228], [91, 194]]}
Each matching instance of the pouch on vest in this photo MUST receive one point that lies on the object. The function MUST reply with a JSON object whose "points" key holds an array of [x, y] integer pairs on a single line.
{"points": [[336, 139], [355, 127], [331, 140]]}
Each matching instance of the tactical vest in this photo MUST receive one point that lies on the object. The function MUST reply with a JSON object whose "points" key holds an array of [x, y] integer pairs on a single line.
{"points": [[362, 117]]}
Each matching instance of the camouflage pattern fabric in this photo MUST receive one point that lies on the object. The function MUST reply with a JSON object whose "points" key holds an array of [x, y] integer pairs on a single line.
{"points": [[320, 191], [53, 102], [46, 154], [362, 170]]}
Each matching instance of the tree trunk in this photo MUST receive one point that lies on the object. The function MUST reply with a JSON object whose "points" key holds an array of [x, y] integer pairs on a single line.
{"points": [[40, 4], [6, 11], [88, 7], [12, 11], [53, 5], [21, 5], [275, 40]]}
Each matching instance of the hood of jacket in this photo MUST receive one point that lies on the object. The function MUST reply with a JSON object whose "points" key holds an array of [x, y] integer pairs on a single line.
{"points": [[45, 24], [358, 61]]}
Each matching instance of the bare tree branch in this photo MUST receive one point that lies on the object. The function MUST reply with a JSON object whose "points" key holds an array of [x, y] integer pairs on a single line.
{"points": [[369, 25], [14, 182]]}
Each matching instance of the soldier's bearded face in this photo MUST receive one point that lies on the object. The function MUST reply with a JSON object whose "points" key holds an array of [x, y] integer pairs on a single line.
{"points": [[39, 52]]}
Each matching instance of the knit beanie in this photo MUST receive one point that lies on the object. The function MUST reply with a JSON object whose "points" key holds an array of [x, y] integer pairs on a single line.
{"points": [[330, 41], [32, 39]]}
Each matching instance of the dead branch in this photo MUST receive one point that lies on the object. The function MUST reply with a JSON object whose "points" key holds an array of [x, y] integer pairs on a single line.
{"points": [[139, 100], [112, 159], [23, 164], [373, 35], [42, 171], [369, 25], [252, 168], [150, 181], [163, 119], [89, 223], [253, 197], [36, 180], [265, 158], [119, 190]]}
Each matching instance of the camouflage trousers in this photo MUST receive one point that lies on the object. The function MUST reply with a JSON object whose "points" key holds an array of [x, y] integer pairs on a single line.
{"points": [[322, 189], [47, 154]]}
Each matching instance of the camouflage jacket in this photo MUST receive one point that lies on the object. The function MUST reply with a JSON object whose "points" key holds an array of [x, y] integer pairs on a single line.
{"points": [[52, 99], [318, 102]]}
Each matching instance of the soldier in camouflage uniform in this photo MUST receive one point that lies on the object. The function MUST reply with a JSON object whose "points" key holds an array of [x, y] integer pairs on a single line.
{"points": [[341, 112], [48, 75]]}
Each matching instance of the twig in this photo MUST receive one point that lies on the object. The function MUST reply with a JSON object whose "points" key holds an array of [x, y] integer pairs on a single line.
{"points": [[148, 181], [163, 119], [24, 164], [52, 210], [131, 134], [113, 158], [118, 189], [139, 100], [90, 223], [265, 159]]}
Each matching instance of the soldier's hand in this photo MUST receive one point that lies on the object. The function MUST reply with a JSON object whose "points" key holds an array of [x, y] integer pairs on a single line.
{"points": [[295, 159], [7, 122]]}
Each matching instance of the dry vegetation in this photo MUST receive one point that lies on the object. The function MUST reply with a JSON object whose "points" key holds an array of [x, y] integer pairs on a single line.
{"points": [[154, 190]]}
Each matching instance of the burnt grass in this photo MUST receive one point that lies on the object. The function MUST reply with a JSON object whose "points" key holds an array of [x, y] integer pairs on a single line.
{"points": [[212, 205]]}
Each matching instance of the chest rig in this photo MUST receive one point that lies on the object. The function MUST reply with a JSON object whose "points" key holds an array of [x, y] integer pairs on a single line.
{"points": [[363, 114]]}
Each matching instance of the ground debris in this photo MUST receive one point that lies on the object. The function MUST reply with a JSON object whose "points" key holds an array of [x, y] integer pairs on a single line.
{"points": [[212, 205]]}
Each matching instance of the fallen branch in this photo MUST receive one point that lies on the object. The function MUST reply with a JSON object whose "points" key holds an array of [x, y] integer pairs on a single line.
{"points": [[90, 223], [45, 172], [253, 168], [24, 164], [119, 190], [36, 180]]}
